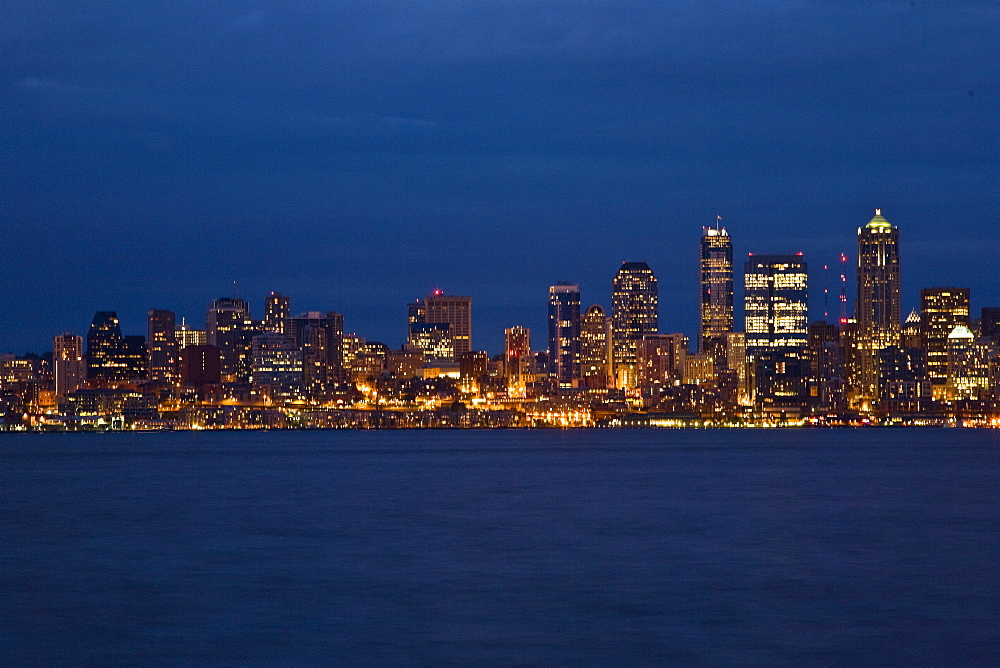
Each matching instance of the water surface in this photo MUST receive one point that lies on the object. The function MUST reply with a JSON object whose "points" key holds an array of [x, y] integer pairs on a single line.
{"points": [[539, 547]]}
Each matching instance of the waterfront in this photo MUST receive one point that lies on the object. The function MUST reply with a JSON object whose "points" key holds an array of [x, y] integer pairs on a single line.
{"points": [[839, 546]]}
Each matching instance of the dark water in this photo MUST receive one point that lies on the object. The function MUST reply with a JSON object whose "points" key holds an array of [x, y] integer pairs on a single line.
{"points": [[541, 547]]}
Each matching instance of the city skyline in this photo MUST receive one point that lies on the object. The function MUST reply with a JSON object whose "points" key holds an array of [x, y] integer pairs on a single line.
{"points": [[365, 153], [821, 300]]}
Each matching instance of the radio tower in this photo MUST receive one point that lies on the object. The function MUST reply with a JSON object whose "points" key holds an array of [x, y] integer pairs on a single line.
{"points": [[843, 289], [826, 294]]}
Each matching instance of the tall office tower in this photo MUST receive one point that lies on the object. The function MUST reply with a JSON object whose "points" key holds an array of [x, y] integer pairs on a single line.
{"points": [[736, 361], [70, 368], [106, 350], [276, 312], [910, 333], [903, 383], [519, 362], [776, 324], [433, 340], [989, 323], [968, 365], [473, 367], [660, 359], [827, 373], [162, 342], [595, 349], [564, 333], [135, 356], [415, 315], [775, 303], [716, 291], [941, 311], [634, 314], [186, 336], [230, 328], [455, 311], [878, 306], [276, 367], [321, 337]]}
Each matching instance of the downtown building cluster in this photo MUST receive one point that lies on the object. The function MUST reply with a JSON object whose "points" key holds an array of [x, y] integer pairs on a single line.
{"points": [[603, 367]]}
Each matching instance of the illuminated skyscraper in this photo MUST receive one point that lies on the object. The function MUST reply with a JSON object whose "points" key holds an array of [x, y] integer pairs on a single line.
{"points": [[321, 338], [67, 356], [162, 343], [595, 349], [634, 314], [276, 312], [564, 333], [519, 362], [776, 324], [716, 290], [453, 311], [941, 311], [878, 305], [106, 350], [230, 328], [276, 367], [775, 303]]}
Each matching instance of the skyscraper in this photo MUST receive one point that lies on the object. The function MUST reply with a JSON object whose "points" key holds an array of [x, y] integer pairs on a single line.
{"points": [[276, 312], [564, 333], [941, 311], [518, 360], [321, 338], [453, 311], [878, 305], [106, 350], [776, 324], [67, 356], [716, 290], [634, 314], [230, 328], [595, 349], [775, 303], [162, 342]]}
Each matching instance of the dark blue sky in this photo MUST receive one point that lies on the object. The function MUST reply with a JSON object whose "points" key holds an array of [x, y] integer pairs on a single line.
{"points": [[355, 155]]}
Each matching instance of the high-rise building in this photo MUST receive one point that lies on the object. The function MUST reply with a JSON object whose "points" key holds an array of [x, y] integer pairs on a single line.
{"points": [[776, 324], [941, 311], [453, 311], [634, 314], [596, 356], [564, 333], [416, 312], [67, 356], [716, 291], [135, 355], [775, 303], [276, 312], [968, 365], [519, 362], [660, 359], [989, 323], [162, 342], [230, 329], [877, 309], [276, 367], [106, 350], [434, 340], [903, 383], [321, 338]]}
